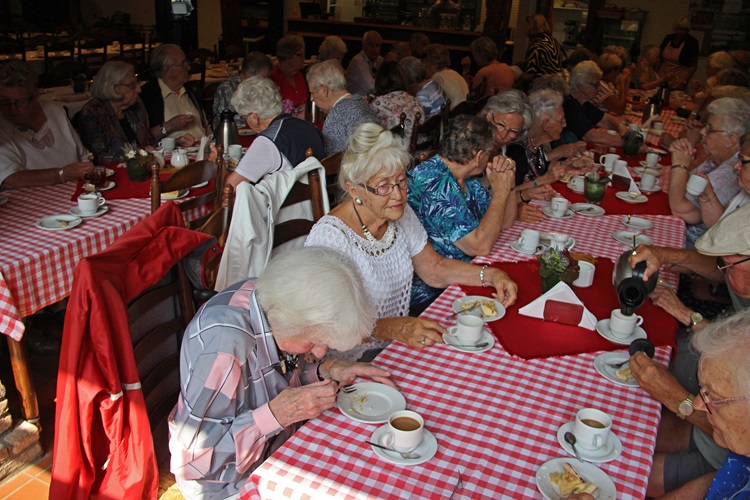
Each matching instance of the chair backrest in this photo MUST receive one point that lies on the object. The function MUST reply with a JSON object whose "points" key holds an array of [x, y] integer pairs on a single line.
{"points": [[295, 228], [188, 176], [332, 164], [400, 129], [207, 98], [197, 84], [217, 225], [462, 108]]}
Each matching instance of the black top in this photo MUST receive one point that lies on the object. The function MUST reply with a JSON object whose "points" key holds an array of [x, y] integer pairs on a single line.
{"points": [[530, 163], [292, 136], [688, 54], [580, 118]]}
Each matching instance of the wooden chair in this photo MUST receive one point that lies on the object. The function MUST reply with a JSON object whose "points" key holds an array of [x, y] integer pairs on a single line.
{"points": [[57, 49], [431, 131], [12, 47], [332, 164], [133, 50], [217, 225], [192, 174], [202, 55], [207, 99], [91, 53], [400, 129]]}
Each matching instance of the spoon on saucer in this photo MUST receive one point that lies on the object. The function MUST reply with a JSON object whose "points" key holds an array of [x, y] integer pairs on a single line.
{"points": [[476, 346], [571, 440], [408, 455]]}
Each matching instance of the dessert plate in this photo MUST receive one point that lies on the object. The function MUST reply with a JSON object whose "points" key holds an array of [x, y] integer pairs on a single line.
{"points": [[477, 311], [103, 209], [602, 362], [631, 197], [605, 487], [627, 238], [371, 403], [587, 209], [58, 222]]}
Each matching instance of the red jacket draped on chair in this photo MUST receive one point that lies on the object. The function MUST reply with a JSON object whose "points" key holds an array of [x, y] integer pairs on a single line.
{"points": [[103, 443]]}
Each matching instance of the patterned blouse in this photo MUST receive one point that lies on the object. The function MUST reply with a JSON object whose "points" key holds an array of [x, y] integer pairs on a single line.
{"points": [[102, 132], [388, 109], [544, 57]]}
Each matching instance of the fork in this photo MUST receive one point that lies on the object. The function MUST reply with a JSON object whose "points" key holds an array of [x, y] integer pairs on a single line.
{"points": [[473, 306], [617, 366], [348, 389], [458, 486]]}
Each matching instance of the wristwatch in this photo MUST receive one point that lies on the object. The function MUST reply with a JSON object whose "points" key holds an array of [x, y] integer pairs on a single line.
{"points": [[163, 130], [685, 408], [695, 318]]}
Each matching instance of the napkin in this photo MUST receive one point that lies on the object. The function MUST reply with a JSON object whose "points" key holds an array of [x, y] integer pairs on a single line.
{"points": [[563, 293], [623, 171], [202, 148]]}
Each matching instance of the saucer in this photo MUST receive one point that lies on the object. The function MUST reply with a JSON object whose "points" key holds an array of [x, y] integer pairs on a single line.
{"points": [[591, 473], [518, 248], [653, 189], [107, 186], [427, 448], [631, 197], [199, 185], [450, 339], [602, 361], [58, 222], [499, 308], [371, 403], [587, 209], [655, 170], [637, 222], [627, 238], [602, 327], [548, 212], [610, 451], [103, 209]]}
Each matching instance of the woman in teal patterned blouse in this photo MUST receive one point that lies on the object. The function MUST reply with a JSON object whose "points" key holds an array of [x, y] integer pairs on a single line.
{"points": [[462, 220]]}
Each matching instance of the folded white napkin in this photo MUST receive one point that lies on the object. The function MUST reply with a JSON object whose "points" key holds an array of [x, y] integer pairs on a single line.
{"points": [[623, 171], [202, 148], [563, 293]]}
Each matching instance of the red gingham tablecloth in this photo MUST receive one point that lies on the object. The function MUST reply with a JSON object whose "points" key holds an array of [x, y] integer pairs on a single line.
{"points": [[36, 266], [495, 416]]}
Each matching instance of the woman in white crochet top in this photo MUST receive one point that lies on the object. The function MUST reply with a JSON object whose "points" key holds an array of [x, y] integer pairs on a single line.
{"points": [[375, 226]]}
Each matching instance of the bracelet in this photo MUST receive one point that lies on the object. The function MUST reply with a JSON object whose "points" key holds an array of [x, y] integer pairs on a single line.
{"points": [[520, 195], [481, 275], [317, 372], [61, 173], [680, 165]]}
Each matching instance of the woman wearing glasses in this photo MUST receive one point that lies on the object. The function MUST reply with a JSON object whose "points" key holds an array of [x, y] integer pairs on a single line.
{"points": [[375, 226], [38, 145], [115, 116]]}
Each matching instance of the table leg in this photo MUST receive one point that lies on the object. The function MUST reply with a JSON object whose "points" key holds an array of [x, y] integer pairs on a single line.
{"points": [[20, 363]]}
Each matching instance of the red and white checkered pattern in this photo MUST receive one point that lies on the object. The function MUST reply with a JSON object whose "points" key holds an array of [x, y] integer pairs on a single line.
{"points": [[495, 416]]}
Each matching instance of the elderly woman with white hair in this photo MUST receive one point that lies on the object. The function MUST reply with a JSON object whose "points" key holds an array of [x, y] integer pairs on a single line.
{"points": [[333, 47], [376, 227], [327, 84], [282, 139], [244, 384], [115, 117], [728, 120]]}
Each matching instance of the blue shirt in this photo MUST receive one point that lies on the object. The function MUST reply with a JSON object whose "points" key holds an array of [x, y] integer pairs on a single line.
{"points": [[446, 212], [732, 482], [431, 97]]}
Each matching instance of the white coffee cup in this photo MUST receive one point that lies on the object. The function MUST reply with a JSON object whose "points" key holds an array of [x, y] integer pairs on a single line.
{"points": [[558, 241], [652, 159], [658, 125], [622, 326], [576, 183], [608, 161], [585, 274], [167, 144], [235, 151], [469, 329], [696, 185], [591, 428], [619, 166], [529, 239], [405, 431], [647, 181], [559, 206], [89, 203]]}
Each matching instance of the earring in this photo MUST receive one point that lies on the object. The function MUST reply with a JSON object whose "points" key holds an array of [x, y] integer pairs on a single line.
{"points": [[358, 200]]}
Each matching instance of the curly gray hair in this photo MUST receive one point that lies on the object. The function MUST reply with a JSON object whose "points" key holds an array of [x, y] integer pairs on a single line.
{"points": [[510, 102], [257, 95], [545, 103], [163, 56], [328, 73], [108, 77], [372, 148], [289, 46], [331, 46], [465, 136], [413, 69], [584, 73], [733, 113]]}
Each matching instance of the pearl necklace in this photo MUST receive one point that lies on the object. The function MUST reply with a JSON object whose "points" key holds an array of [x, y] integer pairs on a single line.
{"points": [[385, 242]]}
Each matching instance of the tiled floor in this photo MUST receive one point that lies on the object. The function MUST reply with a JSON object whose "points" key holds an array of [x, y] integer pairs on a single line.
{"points": [[30, 484]]}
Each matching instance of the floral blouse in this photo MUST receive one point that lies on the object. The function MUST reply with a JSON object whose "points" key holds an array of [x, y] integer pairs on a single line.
{"points": [[388, 109]]}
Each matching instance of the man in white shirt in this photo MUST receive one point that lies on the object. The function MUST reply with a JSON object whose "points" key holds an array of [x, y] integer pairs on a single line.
{"points": [[360, 75], [437, 68]]}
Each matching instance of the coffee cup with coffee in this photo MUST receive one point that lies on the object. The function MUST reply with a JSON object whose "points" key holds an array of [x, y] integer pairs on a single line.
{"points": [[529, 240], [235, 151], [559, 206], [167, 143], [405, 431], [621, 325], [89, 203], [591, 428], [696, 185], [468, 330]]}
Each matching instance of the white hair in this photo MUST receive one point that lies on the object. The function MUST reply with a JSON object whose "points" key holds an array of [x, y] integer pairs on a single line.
{"points": [[545, 103], [257, 95], [727, 341], [584, 73], [511, 102], [328, 73], [734, 114], [372, 148]]}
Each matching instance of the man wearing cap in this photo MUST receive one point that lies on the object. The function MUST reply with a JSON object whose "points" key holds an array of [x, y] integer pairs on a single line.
{"points": [[686, 455]]}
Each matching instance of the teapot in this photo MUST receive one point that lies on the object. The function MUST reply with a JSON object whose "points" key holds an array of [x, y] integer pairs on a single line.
{"points": [[179, 158], [226, 131], [632, 291]]}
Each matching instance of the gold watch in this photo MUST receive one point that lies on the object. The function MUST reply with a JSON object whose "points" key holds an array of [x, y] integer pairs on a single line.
{"points": [[695, 318], [685, 408]]}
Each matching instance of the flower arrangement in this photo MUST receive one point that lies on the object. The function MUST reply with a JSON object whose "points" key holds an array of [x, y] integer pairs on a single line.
{"points": [[555, 266], [137, 161]]}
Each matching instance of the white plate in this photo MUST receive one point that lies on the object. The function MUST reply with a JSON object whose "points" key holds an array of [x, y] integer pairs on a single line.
{"points": [[546, 239], [637, 222], [589, 472], [169, 195], [627, 238], [426, 449], [107, 186], [656, 169], [548, 212], [610, 451], [451, 339], [371, 403], [653, 189], [631, 197], [199, 185], [109, 172], [477, 311], [601, 361], [3, 199], [100, 211], [55, 222], [575, 190], [518, 248], [602, 327], [587, 209]]}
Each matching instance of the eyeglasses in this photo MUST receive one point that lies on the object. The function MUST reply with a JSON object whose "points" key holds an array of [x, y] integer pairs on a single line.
{"points": [[744, 162], [709, 131], [719, 402], [501, 127], [130, 85], [386, 189], [595, 84], [19, 104], [722, 265]]}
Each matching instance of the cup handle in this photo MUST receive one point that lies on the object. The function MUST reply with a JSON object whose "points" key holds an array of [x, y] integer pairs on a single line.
{"points": [[388, 439], [102, 201], [639, 320], [598, 441]]}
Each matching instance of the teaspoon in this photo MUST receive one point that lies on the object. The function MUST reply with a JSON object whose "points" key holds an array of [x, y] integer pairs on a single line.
{"points": [[571, 440], [476, 346], [409, 455]]}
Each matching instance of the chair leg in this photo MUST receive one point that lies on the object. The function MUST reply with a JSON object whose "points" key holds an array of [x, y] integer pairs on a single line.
{"points": [[20, 363]]}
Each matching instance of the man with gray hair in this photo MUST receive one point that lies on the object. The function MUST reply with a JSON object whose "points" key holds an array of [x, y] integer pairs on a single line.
{"points": [[282, 139], [360, 75], [255, 64], [428, 93], [327, 87], [173, 109]]}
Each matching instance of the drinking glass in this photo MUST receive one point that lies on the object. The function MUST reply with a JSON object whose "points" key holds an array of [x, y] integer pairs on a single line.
{"points": [[593, 189]]}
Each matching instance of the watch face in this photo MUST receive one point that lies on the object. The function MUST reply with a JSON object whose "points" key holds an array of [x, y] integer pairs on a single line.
{"points": [[686, 408]]}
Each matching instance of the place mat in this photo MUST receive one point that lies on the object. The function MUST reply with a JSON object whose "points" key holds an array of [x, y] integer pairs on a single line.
{"points": [[531, 338], [657, 204], [125, 188]]}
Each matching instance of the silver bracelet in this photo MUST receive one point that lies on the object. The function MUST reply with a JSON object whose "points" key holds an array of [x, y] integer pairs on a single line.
{"points": [[481, 275]]}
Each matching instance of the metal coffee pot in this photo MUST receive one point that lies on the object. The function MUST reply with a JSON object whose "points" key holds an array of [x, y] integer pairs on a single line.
{"points": [[632, 291], [226, 131]]}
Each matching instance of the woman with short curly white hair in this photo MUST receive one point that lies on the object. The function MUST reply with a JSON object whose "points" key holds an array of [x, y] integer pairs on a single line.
{"points": [[376, 228], [333, 47], [282, 139]]}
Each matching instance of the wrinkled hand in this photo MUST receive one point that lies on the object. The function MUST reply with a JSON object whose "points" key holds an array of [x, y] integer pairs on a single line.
{"points": [[185, 141], [501, 174], [347, 371], [295, 404], [545, 193], [666, 298], [178, 122], [416, 332], [557, 169], [74, 171], [506, 289], [682, 152], [654, 378], [529, 213], [653, 257]]}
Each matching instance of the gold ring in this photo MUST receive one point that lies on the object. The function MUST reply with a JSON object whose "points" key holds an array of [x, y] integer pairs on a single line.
{"points": [[634, 253], [424, 339]]}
